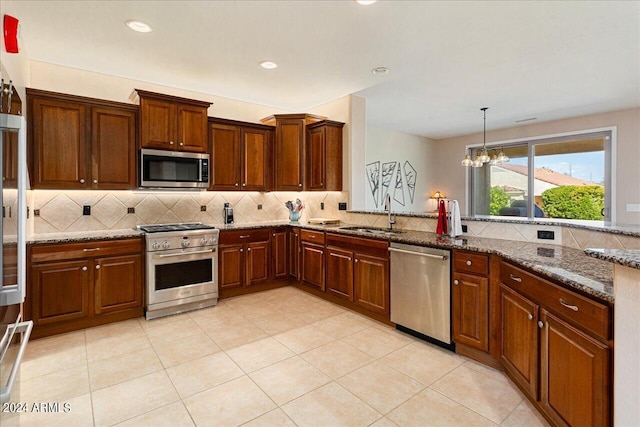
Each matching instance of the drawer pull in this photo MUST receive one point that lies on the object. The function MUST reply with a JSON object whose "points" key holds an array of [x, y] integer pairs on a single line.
{"points": [[469, 262], [530, 316], [84, 268], [515, 278], [456, 282], [540, 324], [90, 250], [569, 306], [98, 267], [311, 236], [245, 236]]}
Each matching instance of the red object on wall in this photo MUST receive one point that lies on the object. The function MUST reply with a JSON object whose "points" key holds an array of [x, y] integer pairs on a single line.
{"points": [[11, 34]]}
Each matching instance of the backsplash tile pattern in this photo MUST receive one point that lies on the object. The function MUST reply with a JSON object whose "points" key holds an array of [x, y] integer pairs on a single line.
{"points": [[62, 211]]}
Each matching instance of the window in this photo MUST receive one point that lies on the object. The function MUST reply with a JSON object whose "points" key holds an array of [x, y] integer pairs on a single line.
{"points": [[564, 177]]}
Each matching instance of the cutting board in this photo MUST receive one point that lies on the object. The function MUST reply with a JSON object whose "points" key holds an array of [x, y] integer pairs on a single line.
{"points": [[323, 221]]}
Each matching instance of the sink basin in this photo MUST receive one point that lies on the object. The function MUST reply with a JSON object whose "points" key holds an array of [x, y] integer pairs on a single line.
{"points": [[372, 230]]}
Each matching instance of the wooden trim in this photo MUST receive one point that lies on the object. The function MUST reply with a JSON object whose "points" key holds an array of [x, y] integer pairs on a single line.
{"points": [[234, 292], [495, 313], [325, 122], [219, 120], [479, 356], [145, 94], [41, 331], [308, 118], [95, 102]]}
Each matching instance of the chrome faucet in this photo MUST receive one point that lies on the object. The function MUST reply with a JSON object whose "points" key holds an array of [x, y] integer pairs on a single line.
{"points": [[387, 207]]}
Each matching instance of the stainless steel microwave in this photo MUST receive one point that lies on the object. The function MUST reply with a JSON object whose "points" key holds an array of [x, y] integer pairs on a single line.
{"points": [[173, 169]]}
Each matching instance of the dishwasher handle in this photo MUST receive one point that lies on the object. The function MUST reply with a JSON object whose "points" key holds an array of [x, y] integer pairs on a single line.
{"points": [[402, 251]]}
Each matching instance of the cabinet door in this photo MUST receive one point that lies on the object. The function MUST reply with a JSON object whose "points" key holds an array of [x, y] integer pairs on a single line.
{"points": [[255, 154], [158, 124], [61, 291], [294, 254], [471, 311], [575, 379], [315, 156], [257, 263], [192, 128], [519, 349], [279, 254], [118, 283], [9, 159], [59, 145], [113, 149], [371, 282], [313, 265], [289, 154], [340, 273], [225, 149], [230, 266]]}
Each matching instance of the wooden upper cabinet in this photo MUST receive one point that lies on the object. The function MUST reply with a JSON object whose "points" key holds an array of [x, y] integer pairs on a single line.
{"points": [[172, 123], [324, 156], [241, 155], [225, 150], [113, 148], [192, 128], [59, 144], [81, 143], [289, 154]]}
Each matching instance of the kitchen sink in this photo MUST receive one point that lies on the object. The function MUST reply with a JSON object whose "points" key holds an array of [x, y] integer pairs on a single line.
{"points": [[372, 230]]}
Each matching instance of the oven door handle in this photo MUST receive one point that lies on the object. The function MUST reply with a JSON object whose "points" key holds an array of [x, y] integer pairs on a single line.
{"points": [[26, 327], [187, 253]]}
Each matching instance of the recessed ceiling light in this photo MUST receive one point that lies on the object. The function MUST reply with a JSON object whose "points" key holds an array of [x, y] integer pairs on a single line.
{"points": [[366, 2], [139, 26], [380, 71], [268, 65]]}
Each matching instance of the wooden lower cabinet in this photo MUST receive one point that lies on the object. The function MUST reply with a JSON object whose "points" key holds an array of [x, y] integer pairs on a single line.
{"points": [[294, 254], [257, 263], [244, 258], [312, 265], [470, 304], [371, 282], [230, 266], [279, 254], [70, 288], [575, 376], [340, 273], [519, 349]]}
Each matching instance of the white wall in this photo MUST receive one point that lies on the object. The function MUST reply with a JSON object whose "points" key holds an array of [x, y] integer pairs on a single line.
{"points": [[385, 146]]}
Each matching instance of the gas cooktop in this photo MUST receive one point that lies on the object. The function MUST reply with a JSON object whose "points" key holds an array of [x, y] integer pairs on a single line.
{"points": [[163, 228]]}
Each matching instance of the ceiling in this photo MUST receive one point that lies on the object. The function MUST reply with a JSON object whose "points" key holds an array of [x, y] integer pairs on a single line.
{"points": [[547, 60]]}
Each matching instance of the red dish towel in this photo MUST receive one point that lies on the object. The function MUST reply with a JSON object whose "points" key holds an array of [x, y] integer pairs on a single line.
{"points": [[441, 228]]}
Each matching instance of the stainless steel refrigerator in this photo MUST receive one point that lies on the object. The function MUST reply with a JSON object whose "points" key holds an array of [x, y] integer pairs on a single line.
{"points": [[14, 332]]}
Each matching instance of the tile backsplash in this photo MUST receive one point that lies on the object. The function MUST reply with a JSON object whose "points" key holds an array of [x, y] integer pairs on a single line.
{"points": [[61, 211]]}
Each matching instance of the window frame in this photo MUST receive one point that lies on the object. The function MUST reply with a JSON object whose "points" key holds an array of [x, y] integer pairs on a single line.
{"points": [[609, 133]]}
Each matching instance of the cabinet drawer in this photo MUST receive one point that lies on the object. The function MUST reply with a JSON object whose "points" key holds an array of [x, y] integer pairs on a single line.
{"points": [[312, 236], [244, 236], [82, 250], [467, 262], [575, 308], [357, 244]]}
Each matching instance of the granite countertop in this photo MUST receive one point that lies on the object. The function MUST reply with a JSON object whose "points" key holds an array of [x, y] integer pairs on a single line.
{"points": [[84, 236], [569, 266], [626, 257]]}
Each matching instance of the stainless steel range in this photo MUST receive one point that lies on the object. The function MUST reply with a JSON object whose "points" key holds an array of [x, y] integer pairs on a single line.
{"points": [[182, 267]]}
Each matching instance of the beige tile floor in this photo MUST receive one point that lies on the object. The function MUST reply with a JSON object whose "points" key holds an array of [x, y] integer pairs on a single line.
{"points": [[276, 358]]}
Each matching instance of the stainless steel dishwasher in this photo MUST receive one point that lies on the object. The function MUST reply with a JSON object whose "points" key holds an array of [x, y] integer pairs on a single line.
{"points": [[421, 291]]}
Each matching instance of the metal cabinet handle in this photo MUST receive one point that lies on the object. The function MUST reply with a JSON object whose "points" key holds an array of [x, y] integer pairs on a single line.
{"points": [[274, 234], [569, 306], [469, 262], [515, 278], [84, 268], [81, 180], [456, 282], [540, 324], [188, 253], [95, 181], [311, 236], [402, 251], [241, 250], [245, 236], [170, 142], [98, 267], [530, 316], [322, 253], [90, 250], [236, 184], [248, 249], [181, 144], [321, 184], [299, 185], [244, 184], [357, 260]]}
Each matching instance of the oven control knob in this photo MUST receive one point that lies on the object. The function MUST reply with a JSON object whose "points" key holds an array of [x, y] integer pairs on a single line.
{"points": [[212, 240], [185, 243], [203, 241], [166, 244], [156, 245]]}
